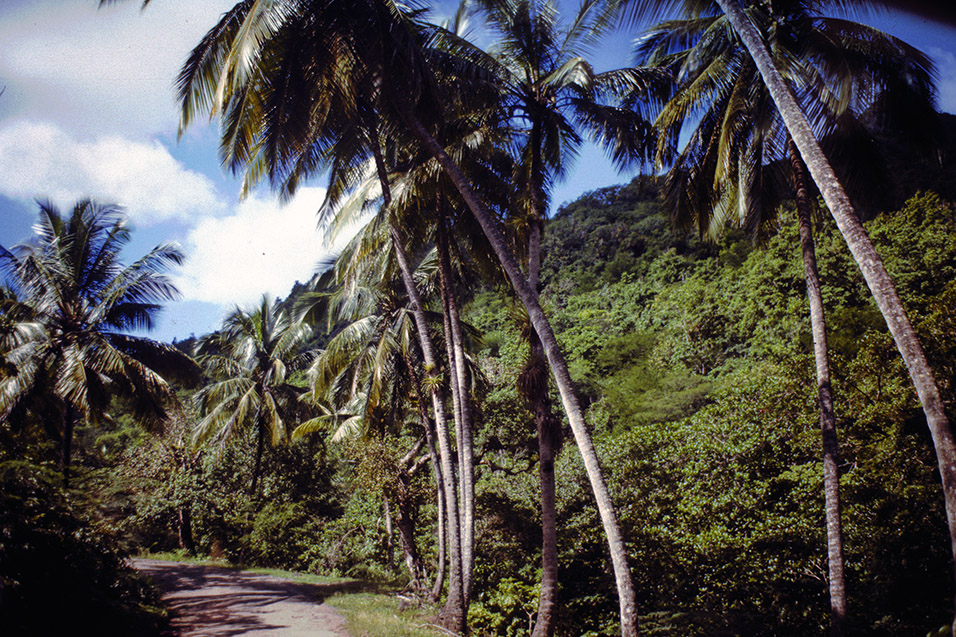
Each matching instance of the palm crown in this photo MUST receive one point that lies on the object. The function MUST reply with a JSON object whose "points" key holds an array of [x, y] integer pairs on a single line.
{"points": [[69, 302]]}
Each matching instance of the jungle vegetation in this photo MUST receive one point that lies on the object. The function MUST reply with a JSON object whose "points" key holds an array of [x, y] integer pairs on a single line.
{"points": [[596, 423]]}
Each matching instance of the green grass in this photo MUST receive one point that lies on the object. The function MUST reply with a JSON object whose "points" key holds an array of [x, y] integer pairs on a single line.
{"points": [[378, 614]]}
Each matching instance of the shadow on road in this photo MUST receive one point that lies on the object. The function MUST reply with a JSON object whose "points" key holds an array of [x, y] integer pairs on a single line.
{"points": [[214, 600]]}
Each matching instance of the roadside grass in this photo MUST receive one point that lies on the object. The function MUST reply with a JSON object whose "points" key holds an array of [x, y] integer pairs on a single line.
{"points": [[371, 610], [379, 614]]}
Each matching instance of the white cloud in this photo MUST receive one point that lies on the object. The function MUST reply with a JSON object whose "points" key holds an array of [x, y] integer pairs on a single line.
{"points": [[100, 70], [40, 160], [946, 66], [263, 248]]}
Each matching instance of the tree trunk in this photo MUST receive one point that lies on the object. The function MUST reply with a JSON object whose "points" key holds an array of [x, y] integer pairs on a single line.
{"points": [[69, 422], [536, 392], [831, 476], [877, 279], [260, 442], [467, 434], [406, 533], [185, 530], [389, 550], [439, 521], [440, 495], [453, 614], [529, 298]]}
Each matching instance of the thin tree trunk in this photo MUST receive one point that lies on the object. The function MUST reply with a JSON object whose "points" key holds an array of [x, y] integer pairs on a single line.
{"points": [[185, 530], [440, 513], [467, 434], [69, 422], [529, 298], [260, 442], [389, 550], [831, 476], [874, 273], [453, 615], [440, 495], [406, 535]]}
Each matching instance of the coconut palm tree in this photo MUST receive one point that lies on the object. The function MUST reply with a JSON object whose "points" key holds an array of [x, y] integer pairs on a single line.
{"points": [[72, 301], [874, 272], [367, 372], [744, 20], [250, 360], [736, 159], [364, 73], [551, 91]]}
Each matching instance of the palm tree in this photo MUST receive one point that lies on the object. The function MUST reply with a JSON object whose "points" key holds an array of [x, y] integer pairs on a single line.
{"points": [[874, 272], [736, 156], [364, 73], [548, 87], [367, 373], [251, 360], [68, 354]]}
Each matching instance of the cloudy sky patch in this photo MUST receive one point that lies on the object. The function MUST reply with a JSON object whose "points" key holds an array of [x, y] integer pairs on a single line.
{"points": [[263, 247], [41, 161]]}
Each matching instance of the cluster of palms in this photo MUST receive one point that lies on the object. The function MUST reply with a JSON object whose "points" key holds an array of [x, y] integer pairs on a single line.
{"points": [[452, 149]]}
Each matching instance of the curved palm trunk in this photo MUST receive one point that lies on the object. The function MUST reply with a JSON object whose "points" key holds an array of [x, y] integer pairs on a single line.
{"points": [[466, 434], [831, 476], [453, 614], [529, 298], [877, 279]]}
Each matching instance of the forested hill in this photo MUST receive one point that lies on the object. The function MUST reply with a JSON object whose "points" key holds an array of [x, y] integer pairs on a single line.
{"points": [[695, 361]]}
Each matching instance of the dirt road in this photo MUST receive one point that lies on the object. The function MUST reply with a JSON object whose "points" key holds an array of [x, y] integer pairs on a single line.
{"points": [[214, 601]]}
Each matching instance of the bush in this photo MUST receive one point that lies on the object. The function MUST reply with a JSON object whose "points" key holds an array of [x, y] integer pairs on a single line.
{"points": [[59, 573]]}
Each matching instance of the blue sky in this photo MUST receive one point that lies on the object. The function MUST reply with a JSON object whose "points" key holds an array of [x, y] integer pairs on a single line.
{"points": [[88, 109]]}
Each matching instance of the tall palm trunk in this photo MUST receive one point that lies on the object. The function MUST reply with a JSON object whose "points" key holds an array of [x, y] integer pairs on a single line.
{"points": [[453, 614], [529, 298], [69, 423], [535, 390], [440, 518], [831, 476], [877, 279], [440, 495], [466, 438]]}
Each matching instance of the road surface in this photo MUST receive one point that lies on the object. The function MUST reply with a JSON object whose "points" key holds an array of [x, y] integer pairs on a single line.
{"points": [[214, 601]]}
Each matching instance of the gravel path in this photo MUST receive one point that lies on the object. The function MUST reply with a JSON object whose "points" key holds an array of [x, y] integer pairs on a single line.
{"points": [[214, 601]]}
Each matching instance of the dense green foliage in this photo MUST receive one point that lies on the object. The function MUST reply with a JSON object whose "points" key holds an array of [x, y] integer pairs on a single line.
{"points": [[698, 370], [59, 567], [693, 359]]}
